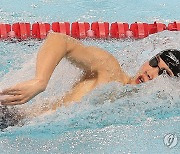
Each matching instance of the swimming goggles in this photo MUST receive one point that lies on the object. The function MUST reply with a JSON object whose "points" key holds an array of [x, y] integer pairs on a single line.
{"points": [[153, 62]]}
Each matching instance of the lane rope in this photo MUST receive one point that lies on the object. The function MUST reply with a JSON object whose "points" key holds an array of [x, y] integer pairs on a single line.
{"points": [[82, 30]]}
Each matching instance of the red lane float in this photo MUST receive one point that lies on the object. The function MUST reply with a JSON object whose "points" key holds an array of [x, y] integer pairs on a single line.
{"points": [[4, 30], [101, 29], [156, 27], [61, 27], [139, 30], [119, 30], [81, 30], [175, 26], [40, 30], [22, 30]]}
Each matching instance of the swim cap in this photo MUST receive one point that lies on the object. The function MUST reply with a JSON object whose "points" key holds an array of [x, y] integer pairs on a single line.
{"points": [[172, 59]]}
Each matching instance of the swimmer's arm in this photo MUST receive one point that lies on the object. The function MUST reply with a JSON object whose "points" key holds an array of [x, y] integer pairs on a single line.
{"points": [[54, 48], [57, 46]]}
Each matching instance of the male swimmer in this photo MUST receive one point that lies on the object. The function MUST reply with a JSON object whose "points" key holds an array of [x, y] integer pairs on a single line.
{"points": [[99, 67]]}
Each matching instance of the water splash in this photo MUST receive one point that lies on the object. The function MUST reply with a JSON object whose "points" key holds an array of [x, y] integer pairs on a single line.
{"points": [[106, 110]]}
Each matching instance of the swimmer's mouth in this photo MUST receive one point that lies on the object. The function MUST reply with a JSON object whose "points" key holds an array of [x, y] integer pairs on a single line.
{"points": [[139, 80]]}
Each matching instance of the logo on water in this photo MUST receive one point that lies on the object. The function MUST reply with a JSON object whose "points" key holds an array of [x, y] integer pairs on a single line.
{"points": [[170, 140]]}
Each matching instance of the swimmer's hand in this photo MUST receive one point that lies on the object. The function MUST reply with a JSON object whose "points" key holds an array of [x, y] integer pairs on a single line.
{"points": [[22, 92]]}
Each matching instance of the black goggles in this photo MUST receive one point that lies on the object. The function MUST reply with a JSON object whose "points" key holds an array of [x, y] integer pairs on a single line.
{"points": [[154, 63]]}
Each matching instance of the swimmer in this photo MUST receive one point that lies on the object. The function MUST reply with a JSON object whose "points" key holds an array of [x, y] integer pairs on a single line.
{"points": [[99, 67]]}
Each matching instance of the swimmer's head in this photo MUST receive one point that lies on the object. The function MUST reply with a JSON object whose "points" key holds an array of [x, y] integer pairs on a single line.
{"points": [[167, 61]]}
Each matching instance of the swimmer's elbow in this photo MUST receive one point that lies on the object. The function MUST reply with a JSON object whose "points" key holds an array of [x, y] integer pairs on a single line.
{"points": [[56, 35]]}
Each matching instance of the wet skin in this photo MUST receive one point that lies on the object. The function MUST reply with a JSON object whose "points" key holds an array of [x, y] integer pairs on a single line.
{"points": [[99, 67], [147, 72]]}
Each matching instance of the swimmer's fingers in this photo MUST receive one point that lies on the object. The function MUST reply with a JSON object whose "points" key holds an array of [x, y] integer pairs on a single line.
{"points": [[10, 91], [13, 103], [12, 100]]}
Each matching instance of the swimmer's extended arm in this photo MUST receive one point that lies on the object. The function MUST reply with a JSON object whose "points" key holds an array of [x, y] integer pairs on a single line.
{"points": [[54, 48]]}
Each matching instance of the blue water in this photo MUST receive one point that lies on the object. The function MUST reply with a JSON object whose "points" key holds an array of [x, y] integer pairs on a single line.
{"points": [[112, 118]]}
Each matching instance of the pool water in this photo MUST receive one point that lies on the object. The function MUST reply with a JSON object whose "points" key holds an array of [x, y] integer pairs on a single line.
{"points": [[112, 118]]}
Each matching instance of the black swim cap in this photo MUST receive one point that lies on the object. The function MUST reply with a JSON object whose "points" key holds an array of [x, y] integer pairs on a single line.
{"points": [[172, 59]]}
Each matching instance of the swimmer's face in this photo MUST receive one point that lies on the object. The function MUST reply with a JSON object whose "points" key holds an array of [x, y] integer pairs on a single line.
{"points": [[151, 69]]}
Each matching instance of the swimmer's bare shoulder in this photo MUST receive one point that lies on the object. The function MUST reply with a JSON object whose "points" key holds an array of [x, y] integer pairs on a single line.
{"points": [[94, 59]]}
